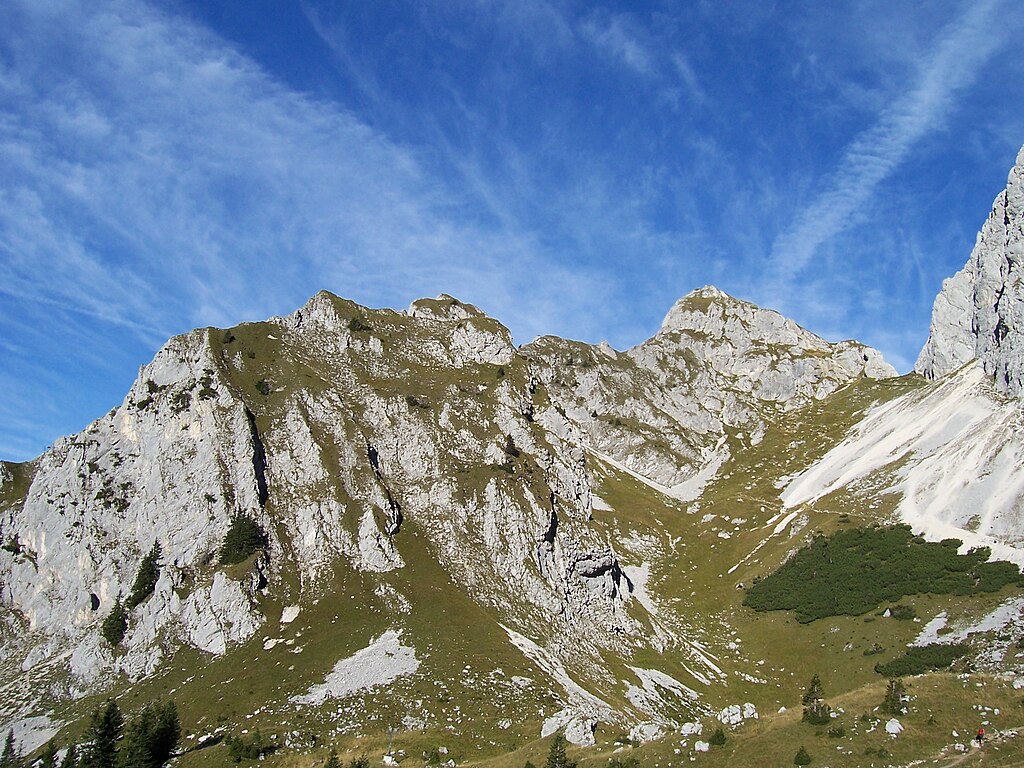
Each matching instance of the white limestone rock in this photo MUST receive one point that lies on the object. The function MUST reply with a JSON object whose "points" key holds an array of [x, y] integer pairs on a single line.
{"points": [[161, 467], [662, 407], [578, 727], [979, 314], [645, 732]]}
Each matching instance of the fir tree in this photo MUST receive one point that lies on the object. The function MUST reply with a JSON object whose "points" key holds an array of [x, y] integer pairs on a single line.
{"points": [[814, 691], [556, 755], [10, 757], [894, 695], [802, 758], [151, 737], [146, 578], [100, 749], [167, 732], [115, 624], [244, 537], [816, 711]]}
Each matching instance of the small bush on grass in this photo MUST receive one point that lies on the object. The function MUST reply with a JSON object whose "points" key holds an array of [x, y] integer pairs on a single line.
{"points": [[252, 748]]}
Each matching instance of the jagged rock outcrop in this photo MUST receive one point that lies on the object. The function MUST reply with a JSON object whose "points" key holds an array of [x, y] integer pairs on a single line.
{"points": [[950, 453], [718, 365], [358, 440], [979, 313], [334, 429]]}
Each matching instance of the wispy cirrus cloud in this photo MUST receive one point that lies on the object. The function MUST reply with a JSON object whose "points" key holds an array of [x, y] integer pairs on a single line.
{"points": [[156, 180], [572, 170], [964, 46], [621, 38]]}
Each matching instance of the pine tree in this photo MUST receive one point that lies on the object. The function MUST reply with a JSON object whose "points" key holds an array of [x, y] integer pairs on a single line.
{"points": [[244, 537], [816, 711], [894, 695], [166, 733], [100, 749], [10, 757], [136, 746], [556, 755], [802, 758], [115, 624], [146, 578], [717, 738], [332, 760], [814, 692], [48, 758]]}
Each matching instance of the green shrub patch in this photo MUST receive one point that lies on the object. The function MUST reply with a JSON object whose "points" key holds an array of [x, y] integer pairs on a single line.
{"points": [[925, 658], [856, 570]]}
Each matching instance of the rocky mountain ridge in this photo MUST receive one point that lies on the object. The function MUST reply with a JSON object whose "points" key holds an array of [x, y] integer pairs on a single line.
{"points": [[339, 430]]}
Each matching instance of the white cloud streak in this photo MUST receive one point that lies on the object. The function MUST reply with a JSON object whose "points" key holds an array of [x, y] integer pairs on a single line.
{"points": [[617, 36], [964, 47], [158, 162]]}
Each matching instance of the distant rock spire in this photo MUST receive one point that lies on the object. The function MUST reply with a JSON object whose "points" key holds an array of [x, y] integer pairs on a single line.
{"points": [[979, 314]]}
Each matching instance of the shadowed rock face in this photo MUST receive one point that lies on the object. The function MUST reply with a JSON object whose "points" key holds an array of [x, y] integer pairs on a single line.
{"points": [[980, 312]]}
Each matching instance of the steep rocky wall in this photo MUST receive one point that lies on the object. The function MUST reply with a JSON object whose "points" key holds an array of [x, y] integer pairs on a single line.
{"points": [[979, 314], [171, 465], [335, 429]]}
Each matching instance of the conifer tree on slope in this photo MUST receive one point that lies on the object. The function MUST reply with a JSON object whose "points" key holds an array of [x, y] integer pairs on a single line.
{"points": [[556, 755], [10, 758], [150, 737], [100, 748]]}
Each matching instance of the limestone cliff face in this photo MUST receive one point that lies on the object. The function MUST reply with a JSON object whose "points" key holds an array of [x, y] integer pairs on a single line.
{"points": [[336, 429], [350, 435], [980, 312], [171, 465], [718, 365]]}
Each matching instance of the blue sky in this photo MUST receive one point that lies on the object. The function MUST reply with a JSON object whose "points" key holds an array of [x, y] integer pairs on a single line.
{"points": [[572, 168]]}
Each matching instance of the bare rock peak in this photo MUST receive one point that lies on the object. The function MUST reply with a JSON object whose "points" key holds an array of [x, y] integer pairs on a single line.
{"points": [[979, 314], [444, 307]]}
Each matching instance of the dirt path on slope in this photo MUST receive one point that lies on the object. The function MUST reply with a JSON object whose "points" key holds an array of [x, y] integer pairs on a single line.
{"points": [[974, 754]]}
